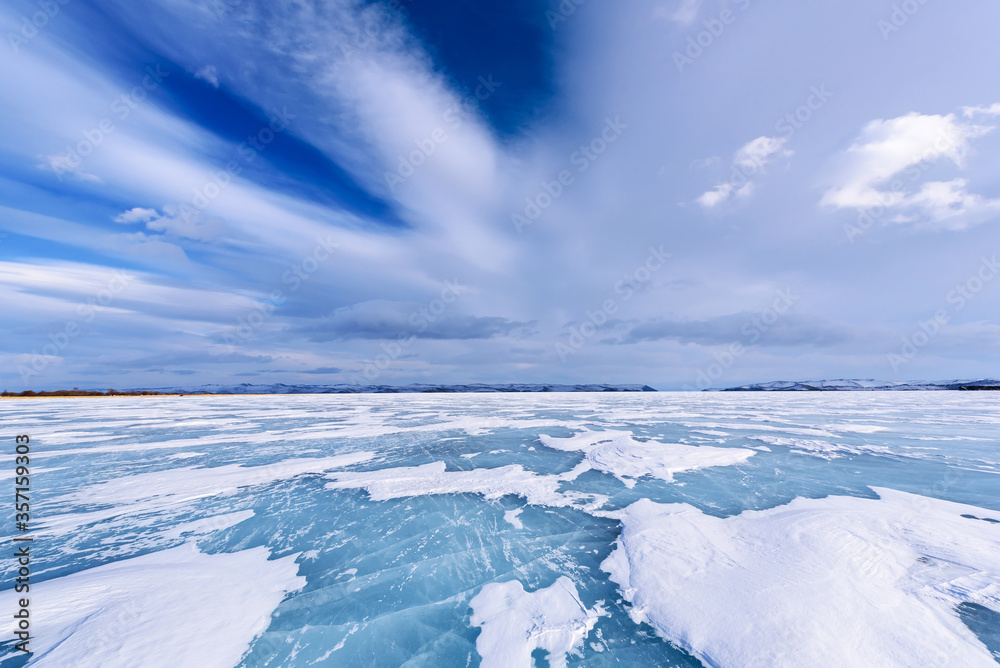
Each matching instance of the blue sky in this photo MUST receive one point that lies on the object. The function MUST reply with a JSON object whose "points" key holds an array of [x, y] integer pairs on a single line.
{"points": [[684, 193]]}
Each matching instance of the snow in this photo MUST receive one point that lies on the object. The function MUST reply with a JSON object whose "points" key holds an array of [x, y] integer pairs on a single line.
{"points": [[514, 623], [176, 607], [511, 517], [618, 453], [818, 582], [865, 385], [823, 449], [158, 490], [433, 478]]}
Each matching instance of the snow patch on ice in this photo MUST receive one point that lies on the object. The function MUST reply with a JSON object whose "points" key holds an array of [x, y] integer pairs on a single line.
{"points": [[176, 607], [511, 517], [856, 428], [161, 490], [208, 524], [433, 478], [618, 453], [836, 581], [823, 449], [514, 623]]}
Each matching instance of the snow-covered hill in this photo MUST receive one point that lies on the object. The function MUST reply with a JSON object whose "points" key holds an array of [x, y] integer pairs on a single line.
{"points": [[281, 388], [863, 385]]}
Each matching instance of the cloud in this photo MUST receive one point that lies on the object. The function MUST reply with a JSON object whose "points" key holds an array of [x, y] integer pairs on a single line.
{"points": [[208, 73], [746, 328], [178, 221], [381, 320], [136, 215], [61, 164], [748, 161], [188, 223], [890, 154], [992, 110]]}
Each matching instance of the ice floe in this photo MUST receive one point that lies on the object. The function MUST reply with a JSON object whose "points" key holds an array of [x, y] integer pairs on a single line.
{"points": [[515, 623], [159, 490], [823, 449], [838, 581], [176, 607], [618, 453], [433, 478]]}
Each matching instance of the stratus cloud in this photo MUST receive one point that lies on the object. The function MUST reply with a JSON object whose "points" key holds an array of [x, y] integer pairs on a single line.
{"points": [[382, 320], [749, 161], [874, 167]]}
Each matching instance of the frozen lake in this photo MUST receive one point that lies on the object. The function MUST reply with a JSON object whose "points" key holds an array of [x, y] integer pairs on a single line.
{"points": [[645, 529]]}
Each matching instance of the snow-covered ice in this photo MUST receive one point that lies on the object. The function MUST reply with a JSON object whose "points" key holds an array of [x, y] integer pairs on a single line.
{"points": [[515, 623], [176, 607], [618, 453], [839, 581], [746, 529]]}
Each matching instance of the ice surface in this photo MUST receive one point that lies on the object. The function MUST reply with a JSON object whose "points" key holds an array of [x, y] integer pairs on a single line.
{"points": [[515, 623], [157, 490], [389, 581], [176, 607], [838, 581], [618, 453], [396, 483], [823, 449]]}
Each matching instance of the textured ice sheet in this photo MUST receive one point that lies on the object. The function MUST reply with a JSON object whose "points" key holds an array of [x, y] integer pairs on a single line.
{"points": [[433, 478], [158, 490], [515, 623], [176, 607], [824, 449], [617, 453], [839, 581]]}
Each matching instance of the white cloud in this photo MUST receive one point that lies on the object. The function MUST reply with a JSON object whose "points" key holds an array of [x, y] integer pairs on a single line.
{"points": [[992, 110], [208, 73], [61, 164], [748, 161], [136, 215], [186, 222], [879, 167]]}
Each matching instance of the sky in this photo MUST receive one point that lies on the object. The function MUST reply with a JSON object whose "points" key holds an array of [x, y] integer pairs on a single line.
{"points": [[680, 193]]}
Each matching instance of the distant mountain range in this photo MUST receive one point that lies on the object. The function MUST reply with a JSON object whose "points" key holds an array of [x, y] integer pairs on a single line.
{"points": [[281, 388], [867, 385]]}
